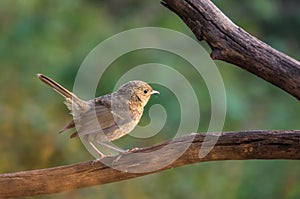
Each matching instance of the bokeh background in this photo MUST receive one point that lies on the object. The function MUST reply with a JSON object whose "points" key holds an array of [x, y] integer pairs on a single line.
{"points": [[53, 37]]}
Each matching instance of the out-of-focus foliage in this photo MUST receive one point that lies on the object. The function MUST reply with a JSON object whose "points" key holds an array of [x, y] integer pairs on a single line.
{"points": [[54, 37]]}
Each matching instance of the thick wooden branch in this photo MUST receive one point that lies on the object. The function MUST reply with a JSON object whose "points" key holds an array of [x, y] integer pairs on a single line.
{"points": [[232, 44], [230, 146]]}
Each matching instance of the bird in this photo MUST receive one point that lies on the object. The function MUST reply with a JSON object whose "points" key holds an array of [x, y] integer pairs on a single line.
{"points": [[105, 118]]}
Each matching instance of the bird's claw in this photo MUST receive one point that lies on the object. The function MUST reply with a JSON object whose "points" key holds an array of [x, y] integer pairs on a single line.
{"points": [[96, 161], [117, 159]]}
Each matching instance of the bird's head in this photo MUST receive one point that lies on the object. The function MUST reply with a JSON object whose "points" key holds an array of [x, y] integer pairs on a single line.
{"points": [[139, 91]]}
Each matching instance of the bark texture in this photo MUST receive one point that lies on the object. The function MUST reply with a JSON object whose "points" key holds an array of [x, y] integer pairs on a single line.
{"points": [[229, 146], [232, 44]]}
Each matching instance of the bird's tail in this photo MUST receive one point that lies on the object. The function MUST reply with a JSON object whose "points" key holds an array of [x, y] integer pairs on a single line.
{"points": [[70, 97]]}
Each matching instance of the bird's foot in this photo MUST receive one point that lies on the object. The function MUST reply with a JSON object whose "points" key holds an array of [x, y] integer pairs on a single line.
{"points": [[118, 158], [98, 159], [122, 153], [95, 161]]}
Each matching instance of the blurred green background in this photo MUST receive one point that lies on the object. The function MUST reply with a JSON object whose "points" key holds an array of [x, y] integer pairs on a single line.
{"points": [[53, 37]]}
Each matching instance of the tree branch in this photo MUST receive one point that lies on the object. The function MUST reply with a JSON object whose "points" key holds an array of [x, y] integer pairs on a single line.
{"points": [[232, 44], [230, 146]]}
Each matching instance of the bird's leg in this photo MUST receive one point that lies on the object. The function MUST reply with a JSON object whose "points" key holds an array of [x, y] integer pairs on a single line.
{"points": [[120, 151], [111, 147], [87, 139]]}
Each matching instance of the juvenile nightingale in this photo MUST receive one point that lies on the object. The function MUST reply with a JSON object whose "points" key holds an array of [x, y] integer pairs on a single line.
{"points": [[108, 117]]}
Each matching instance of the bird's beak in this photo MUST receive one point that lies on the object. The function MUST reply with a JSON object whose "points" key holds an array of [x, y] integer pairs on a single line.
{"points": [[154, 92]]}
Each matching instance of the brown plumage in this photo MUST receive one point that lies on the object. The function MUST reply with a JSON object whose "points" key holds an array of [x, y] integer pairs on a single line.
{"points": [[107, 117]]}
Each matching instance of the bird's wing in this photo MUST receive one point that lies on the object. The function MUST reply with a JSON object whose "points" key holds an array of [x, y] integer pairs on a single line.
{"points": [[99, 119]]}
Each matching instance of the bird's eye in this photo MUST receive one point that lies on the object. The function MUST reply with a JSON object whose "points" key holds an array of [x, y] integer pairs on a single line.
{"points": [[146, 91]]}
